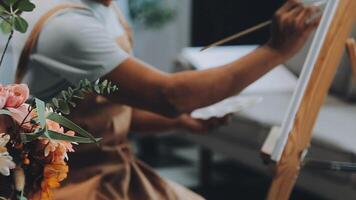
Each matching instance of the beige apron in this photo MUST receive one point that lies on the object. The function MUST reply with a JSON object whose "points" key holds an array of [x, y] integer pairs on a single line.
{"points": [[110, 172]]}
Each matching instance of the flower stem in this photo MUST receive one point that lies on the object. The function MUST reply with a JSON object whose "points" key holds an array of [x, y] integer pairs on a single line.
{"points": [[6, 46], [6, 20]]}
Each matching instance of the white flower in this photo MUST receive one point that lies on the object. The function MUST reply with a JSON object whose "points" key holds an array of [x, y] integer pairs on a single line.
{"points": [[6, 162]]}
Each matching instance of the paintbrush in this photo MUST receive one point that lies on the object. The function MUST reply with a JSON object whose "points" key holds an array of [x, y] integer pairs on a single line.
{"points": [[257, 27], [238, 35]]}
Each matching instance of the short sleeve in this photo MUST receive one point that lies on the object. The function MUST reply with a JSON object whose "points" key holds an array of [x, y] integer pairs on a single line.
{"points": [[76, 46]]}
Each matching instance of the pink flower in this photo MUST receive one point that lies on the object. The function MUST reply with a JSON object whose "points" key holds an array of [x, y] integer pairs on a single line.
{"points": [[54, 126], [67, 145], [18, 94], [19, 113], [4, 94], [53, 145]]}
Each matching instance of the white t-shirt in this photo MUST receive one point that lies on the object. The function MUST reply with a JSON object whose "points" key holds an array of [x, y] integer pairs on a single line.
{"points": [[73, 45]]}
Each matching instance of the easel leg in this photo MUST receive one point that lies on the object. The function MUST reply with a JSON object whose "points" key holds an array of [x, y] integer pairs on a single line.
{"points": [[283, 184], [287, 171]]}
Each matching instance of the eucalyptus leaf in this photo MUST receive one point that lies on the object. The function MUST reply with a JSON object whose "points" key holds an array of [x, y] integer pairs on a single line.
{"points": [[9, 2], [72, 104], [97, 81], [105, 83], [65, 95], [63, 107], [70, 90], [86, 82], [55, 102], [78, 94], [64, 101], [2, 9], [5, 27], [97, 89], [70, 125], [108, 88], [26, 5], [21, 24]]}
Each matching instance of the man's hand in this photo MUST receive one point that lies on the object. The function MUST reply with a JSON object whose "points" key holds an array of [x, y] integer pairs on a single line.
{"points": [[291, 27], [200, 126]]}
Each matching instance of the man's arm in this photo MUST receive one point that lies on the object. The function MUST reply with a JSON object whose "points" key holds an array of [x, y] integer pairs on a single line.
{"points": [[148, 122], [172, 94]]}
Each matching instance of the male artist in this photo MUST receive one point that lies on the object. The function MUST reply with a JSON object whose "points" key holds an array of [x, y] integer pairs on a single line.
{"points": [[93, 43]]}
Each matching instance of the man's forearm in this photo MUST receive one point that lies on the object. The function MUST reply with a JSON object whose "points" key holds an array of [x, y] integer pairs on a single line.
{"points": [[148, 122], [190, 90], [144, 87]]}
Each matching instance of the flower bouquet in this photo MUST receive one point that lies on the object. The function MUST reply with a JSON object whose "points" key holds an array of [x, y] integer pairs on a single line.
{"points": [[36, 137]]}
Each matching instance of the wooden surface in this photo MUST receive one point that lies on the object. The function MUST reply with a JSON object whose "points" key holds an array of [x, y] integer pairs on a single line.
{"points": [[287, 169], [351, 48]]}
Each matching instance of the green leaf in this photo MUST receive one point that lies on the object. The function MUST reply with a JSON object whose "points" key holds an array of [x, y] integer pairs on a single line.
{"points": [[64, 100], [20, 24], [65, 95], [70, 125], [55, 102], [97, 81], [5, 27], [97, 89], [26, 5], [71, 103], [5, 112], [70, 90], [104, 83], [108, 87], [2, 9], [78, 94], [28, 137], [41, 109], [102, 88], [86, 82], [60, 136], [10, 2], [81, 83], [63, 107]]}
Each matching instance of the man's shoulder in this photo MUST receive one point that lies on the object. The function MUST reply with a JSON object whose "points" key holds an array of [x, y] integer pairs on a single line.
{"points": [[71, 22], [73, 16]]}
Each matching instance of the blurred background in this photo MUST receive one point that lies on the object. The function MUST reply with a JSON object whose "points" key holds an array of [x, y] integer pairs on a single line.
{"points": [[226, 163]]}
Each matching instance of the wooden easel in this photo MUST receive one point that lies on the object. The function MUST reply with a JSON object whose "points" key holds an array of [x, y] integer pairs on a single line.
{"points": [[351, 49], [288, 167]]}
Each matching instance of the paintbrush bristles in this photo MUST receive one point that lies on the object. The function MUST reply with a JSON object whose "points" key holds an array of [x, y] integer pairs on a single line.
{"points": [[238, 35]]}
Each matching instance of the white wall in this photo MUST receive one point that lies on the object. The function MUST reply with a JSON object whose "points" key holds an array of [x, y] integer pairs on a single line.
{"points": [[161, 47], [7, 69]]}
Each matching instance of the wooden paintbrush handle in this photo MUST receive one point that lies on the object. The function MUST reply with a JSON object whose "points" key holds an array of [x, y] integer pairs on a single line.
{"points": [[238, 35]]}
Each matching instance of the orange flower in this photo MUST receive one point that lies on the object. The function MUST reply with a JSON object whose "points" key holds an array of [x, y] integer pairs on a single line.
{"points": [[53, 174]]}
